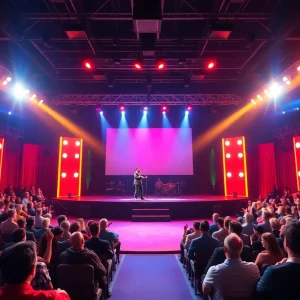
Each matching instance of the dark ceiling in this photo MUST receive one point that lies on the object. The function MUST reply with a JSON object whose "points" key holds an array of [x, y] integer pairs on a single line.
{"points": [[264, 40]]}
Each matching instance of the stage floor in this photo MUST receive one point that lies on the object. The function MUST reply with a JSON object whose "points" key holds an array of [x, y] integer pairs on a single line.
{"points": [[182, 198]]}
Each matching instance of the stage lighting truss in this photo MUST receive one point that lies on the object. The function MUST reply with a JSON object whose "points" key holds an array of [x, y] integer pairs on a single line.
{"points": [[146, 99], [279, 85]]}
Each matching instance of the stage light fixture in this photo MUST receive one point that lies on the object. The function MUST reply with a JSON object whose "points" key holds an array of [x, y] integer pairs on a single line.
{"points": [[98, 109], [4, 82], [88, 65], [76, 155], [32, 97], [160, 64], [19, 90], [298, 69], [0, 146], [65, 155], [186, 112], [227, 143], [63, 175], [145, 108], [76, 175], [228, 155], [101, 112], [239, 142], [275, 90], [253, 101], [283, 112], [284, 78], [241, 174], [65, 142], [266, 92], [8, 79], [297, 145], [229, 174], [77, 143], [288, 82], [9, 112], [299, 173], [163, 112], [210, 64], [240, 155], [40, 102], [138, 65]]}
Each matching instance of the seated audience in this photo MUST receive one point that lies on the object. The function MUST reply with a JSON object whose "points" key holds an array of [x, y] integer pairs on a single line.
{"points": [[20, 213], [45, 227], [77, 255], [25, 200], [30, 223], [100, 247], [29, 235], [19, 235], [82, 228], [233, 278], [248, 225], [74, 227], [214, 226], [236, 227], [30, 209], [203, 244], [294, 212], [266, 221], [61, 218], [272, 253], [275, 227], [38, 218], [187, 238], [18, 268], [221, 234], [9, 225], [255, 239], [110, 236], [65, 225], [281, 281]]}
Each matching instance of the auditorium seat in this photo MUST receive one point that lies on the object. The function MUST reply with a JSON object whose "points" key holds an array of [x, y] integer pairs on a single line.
{"points": [[78, 281]]}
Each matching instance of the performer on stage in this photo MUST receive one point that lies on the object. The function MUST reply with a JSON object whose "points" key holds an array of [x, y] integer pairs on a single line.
{"points": [[138, 185]]}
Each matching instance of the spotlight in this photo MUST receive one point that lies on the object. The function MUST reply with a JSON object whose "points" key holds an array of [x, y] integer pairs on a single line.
{"points": [[77, 143], [27, 91], [241, 174], [138, 65], [160, 64], [4, 82], [260, 97], [240, 155], [298, 69], [145, 108], [32, 97], [288, 82], [145, 112], [297, 108], [65, 155], [227, 143], [164, 108], [101, 112], [275, 90], [0, 146], [9, 112], [98, 109], [297, 145], [239, 142], [88, 65], [228, 155], [76, 155], [299, 173], [186, 112], [41, 101], [65, 142], [164, 112], [8, 79], [284, 78], [253, 101], [229, 174], [63, 175], [122, 109], [283, 112], [211, 64], [19, 90], [76, 175], [266, 92], [188, 108]]}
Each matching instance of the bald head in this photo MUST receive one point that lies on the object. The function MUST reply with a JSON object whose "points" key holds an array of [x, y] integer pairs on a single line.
{"points": [[233, 246], [77, 240], [103, 224]]}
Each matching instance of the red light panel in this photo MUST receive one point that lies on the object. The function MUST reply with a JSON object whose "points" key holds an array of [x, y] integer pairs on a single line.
{"points": [[1, 154], [88, 65], [69, 167], [122, 108], [235, 166], [138, 66], [164, 108], [160, 65], [296, 142], [210, 65]]}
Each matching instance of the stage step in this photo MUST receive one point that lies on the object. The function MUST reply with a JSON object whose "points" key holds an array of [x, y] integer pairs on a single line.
{"points": [[151, 218], [150, 211]]}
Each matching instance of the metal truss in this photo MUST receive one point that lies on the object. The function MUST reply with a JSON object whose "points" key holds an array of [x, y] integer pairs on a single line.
{"points": [[9, 131], [150, 99], [166, 16]]}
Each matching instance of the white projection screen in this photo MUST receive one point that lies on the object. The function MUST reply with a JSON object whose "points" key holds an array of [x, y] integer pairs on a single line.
{"points": [[156, 151]]}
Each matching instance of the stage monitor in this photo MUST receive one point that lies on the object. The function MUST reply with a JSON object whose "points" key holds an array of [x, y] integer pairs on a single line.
{"points": [[156, 151]]}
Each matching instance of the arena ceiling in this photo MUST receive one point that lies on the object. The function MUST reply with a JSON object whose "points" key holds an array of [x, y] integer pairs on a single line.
{"points": [[47, 41]]}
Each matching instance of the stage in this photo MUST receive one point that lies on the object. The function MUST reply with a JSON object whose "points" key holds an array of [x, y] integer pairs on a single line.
{"points": [[126, 208]]}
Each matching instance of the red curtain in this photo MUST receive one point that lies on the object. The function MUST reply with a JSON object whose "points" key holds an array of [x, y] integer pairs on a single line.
{"points": [[11, 164], [286, 169], [30, 165], [47, 171], [267, 168]]}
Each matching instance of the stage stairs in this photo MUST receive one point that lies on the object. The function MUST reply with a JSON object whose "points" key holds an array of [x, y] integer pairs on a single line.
{"points": [[151, 215]]}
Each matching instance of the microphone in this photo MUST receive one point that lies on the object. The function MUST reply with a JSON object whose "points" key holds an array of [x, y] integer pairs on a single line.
{"points": [[109, 224]]}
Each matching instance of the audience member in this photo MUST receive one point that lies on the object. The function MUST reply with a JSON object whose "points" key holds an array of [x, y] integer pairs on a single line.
{"points": [[236, 227], [30, 223], [275, 227], [247, 227], [30, 209], [77, 255], [29, 235], [187, 238], [61, 218], [272, 253], [38, 218], [234, 278], [255, 239], [25, 200], [281, 281], [65, 225], [266, 221], [214, 226], [19, 235], [221, 234], [100, 247], [45, 226], [18, 268], [74, 227], [9, 225]]}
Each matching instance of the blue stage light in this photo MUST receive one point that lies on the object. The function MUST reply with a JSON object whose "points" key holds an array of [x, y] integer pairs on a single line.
{"points": [[9, 112], [101, 112]]}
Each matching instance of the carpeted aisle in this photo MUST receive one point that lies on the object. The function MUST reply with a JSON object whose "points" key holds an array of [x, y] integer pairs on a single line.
{"points": [[149, 277]]}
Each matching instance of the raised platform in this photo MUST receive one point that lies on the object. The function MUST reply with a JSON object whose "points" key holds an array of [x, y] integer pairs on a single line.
{"points": [[122, 207]]}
